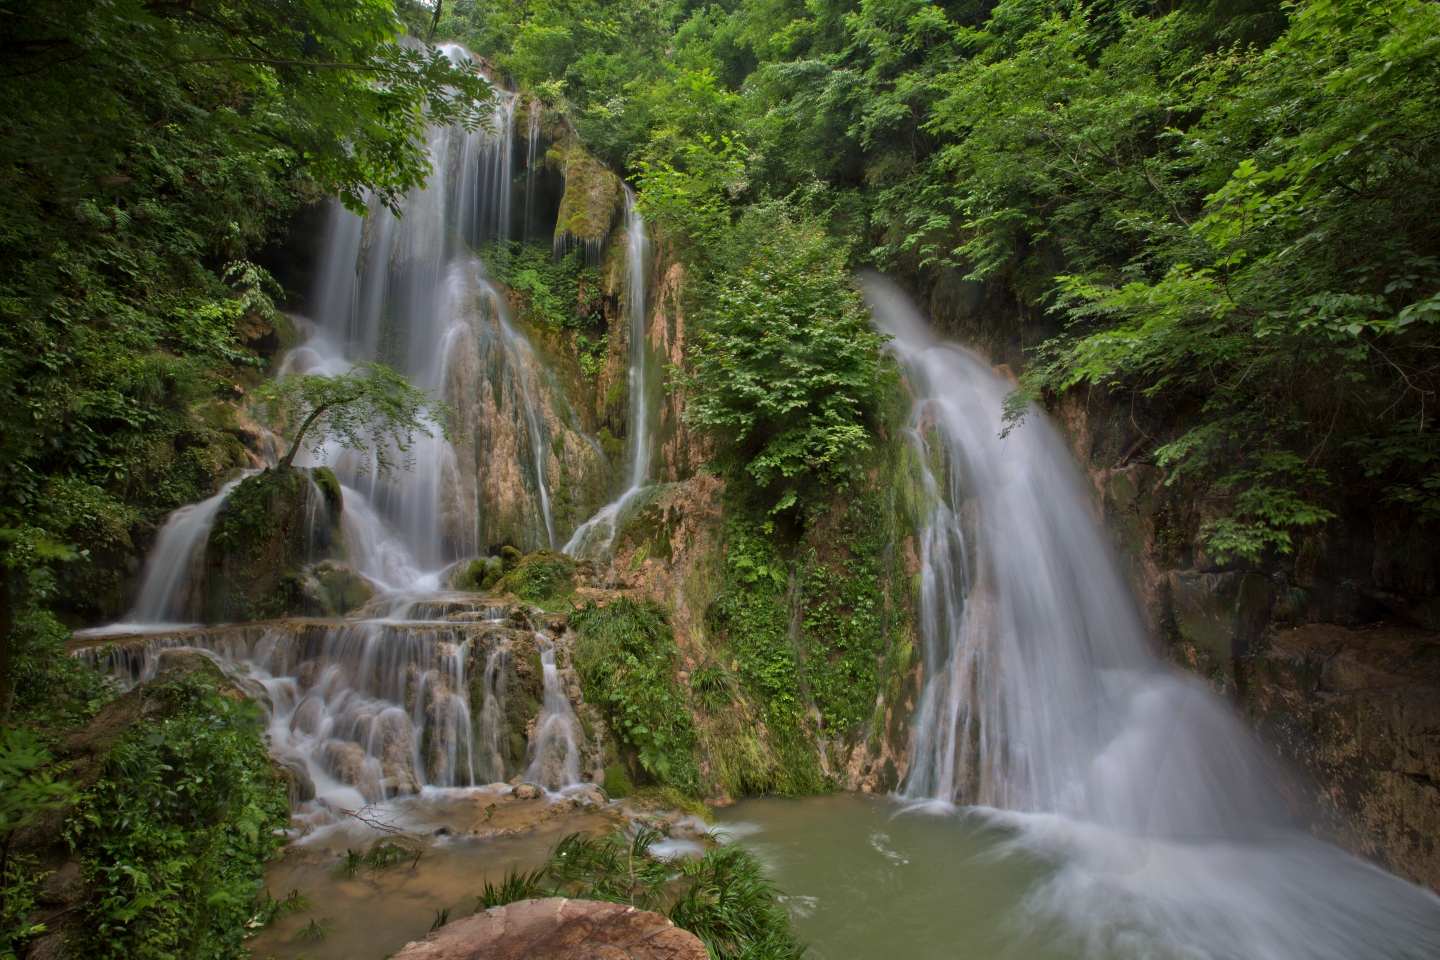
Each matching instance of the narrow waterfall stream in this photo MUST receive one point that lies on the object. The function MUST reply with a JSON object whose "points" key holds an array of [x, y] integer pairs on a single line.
{"points": [[596, 535]]}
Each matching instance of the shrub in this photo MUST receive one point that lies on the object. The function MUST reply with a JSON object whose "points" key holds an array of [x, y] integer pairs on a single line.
{"points": [[543, 575], [785, 368], [175, 835], [625, 655]]}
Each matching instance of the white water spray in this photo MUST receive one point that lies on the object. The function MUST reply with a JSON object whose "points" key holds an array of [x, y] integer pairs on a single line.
{"points": [[170, 584], [553, 757]]}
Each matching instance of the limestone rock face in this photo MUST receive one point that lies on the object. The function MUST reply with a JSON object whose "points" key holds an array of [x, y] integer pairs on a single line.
{"points": [[558, 929], [1359, 712]]}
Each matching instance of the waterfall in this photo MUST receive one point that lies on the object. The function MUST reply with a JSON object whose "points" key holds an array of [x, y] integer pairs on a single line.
{"points": [[492, 715], [175, 567], [553, 757], [410, 291], [1041, 699], [419, 689], [597, 533]]}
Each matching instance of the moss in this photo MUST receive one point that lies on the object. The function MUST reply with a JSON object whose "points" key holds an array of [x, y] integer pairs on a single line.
{"points": [[593, 198], [329, 485], [333, 589], [540, 576], [616, 783], [270, 528], [626, 657]]}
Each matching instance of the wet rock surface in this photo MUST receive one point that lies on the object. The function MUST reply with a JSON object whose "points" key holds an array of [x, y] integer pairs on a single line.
{"points": [[555, 928], [1358, 711]]}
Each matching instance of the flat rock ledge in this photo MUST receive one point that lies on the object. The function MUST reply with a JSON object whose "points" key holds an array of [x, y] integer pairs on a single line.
{"points": [[558, 929]]}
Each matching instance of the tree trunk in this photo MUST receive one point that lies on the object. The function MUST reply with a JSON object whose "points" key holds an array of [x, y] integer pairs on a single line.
{"points": [[295, 447]]}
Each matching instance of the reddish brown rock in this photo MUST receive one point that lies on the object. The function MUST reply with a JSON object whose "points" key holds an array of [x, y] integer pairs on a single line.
{"points": [[558, 929]]}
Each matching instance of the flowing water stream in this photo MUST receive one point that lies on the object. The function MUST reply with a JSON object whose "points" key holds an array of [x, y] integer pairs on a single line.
{"points": [[596, 535], [423, 690]]}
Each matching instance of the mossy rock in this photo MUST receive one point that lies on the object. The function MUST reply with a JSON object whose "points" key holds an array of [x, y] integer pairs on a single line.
{"points": [[333, 589], [265, 535], [593, 198], [617, 785], [481, 573], [541, 576]]}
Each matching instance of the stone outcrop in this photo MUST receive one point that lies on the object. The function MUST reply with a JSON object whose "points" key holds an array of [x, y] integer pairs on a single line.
{"points": [[1328, 650], [1358, 711], [276, 549], [558, 929]]}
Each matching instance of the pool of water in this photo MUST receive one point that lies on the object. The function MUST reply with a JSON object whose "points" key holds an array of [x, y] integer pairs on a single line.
{"points": [[372, 913], [867, 877], [864, 880]]}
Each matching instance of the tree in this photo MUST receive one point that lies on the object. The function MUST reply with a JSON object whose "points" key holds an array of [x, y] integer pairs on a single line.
{"points": [[372, 406], [785, 371]]}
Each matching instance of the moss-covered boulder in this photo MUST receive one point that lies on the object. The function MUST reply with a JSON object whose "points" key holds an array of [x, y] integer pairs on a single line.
{"points": [[593, 199], [540, 576], [269, 530], [332, 589]]}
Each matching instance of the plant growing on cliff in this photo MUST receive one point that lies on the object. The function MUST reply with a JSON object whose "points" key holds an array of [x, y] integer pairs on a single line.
{"points": [[785, 370], [369, 408], [625, 655]]}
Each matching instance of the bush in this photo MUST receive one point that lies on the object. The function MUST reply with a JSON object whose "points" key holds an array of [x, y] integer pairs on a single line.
{"points": [[175, 835], [543, 575], [625, 655], [785, 369], [723, 898]]}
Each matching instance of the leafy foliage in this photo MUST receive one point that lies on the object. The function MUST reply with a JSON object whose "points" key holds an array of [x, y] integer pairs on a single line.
{"points": [[370, 408], [561, 293], [723, 897], [174, 836], [540, 576], [626, 656], [785, 370]]}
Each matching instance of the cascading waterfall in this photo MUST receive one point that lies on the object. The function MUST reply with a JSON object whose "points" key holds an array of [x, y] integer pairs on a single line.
{"points": [[1041, 699], [553, 757], [170, 582], [412, 692], [597, 533]]}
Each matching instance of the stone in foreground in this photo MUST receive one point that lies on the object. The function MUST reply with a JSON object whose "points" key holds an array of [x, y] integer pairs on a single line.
{"points": [[558, 929]]}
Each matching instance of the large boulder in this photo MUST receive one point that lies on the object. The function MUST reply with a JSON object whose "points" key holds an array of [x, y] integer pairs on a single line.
{"points": [[269, 530], [558, 929]]}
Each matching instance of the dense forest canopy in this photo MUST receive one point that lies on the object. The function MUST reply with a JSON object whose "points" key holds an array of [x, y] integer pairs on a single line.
{"points": [[1222, 210]]}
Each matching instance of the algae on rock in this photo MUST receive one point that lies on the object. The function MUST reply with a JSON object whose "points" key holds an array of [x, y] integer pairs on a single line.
{"points": [[593, 199]]}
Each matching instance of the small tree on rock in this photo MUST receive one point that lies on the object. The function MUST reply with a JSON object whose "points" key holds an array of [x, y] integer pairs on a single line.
{"points": [[371, 406]]}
